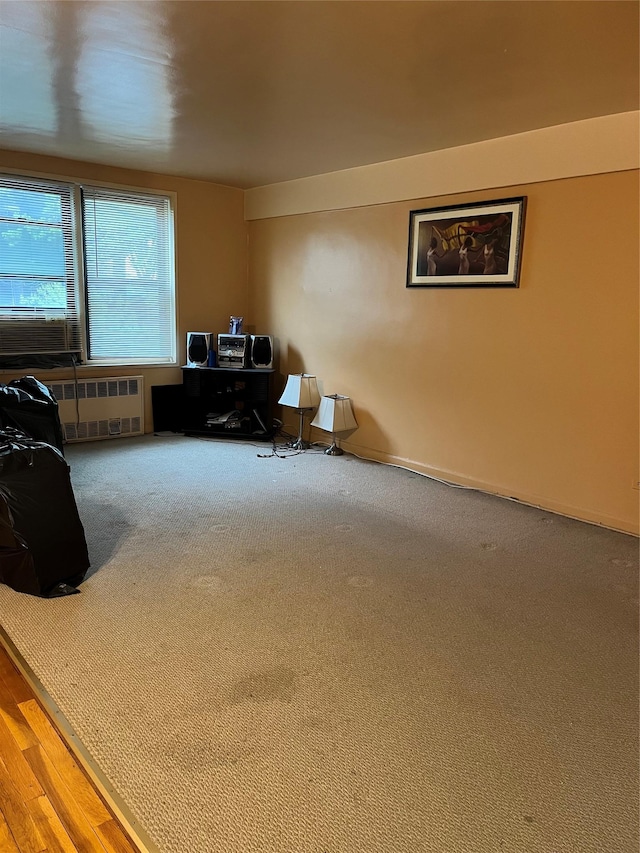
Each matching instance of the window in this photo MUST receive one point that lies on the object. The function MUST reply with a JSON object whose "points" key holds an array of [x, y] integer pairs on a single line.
{"points": [[86, 274]]}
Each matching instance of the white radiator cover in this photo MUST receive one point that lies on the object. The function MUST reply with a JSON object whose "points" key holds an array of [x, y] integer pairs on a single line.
{"points": [[107, 407]]}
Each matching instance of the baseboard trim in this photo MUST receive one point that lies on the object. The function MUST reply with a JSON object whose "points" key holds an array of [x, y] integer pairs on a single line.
{"points": [[536, 501]]}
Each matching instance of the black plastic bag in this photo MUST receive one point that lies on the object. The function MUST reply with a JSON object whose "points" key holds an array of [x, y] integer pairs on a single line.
{"points": [[28, 405], [43, 550]]}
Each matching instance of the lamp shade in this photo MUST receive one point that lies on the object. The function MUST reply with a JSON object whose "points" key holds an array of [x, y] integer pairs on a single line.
{"points": [[335, 414], [300, 392]]}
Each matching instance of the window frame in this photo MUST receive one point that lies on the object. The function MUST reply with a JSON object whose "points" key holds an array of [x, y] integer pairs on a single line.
{"points": [[78, 250]]}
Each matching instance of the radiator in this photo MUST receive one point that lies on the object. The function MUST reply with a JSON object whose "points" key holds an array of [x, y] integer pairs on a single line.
{"points": [[109, 407]]}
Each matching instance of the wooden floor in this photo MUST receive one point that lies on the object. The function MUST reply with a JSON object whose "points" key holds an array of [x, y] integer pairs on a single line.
{"points": [[47, 801]]}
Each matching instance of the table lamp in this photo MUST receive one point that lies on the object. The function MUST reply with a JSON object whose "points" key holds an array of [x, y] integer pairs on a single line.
{"points": [[301, 393], [335, 415]]}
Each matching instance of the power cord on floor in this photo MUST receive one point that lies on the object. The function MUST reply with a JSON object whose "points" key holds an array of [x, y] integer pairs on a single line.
{"points": [[418, 473], [461, 486], [285, 450]]}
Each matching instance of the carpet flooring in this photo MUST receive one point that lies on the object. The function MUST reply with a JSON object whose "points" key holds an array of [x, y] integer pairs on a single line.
{"points": [[326, 655]]}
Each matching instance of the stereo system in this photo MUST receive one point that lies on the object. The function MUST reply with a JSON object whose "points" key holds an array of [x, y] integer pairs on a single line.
{"points": [[234, 351]]}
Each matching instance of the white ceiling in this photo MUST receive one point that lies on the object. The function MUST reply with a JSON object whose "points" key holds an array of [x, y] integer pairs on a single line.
{"points": [[251, 93]]}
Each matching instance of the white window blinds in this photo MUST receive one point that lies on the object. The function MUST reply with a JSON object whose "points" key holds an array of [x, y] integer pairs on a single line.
{"points": [[38, 292], [128, 252]]}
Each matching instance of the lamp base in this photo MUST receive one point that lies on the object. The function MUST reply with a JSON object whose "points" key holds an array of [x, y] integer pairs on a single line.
{"points": [[334, 450], [299, 443]]}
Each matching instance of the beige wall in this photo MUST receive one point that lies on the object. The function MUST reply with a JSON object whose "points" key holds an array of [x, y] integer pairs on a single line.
{"points": [[530, 393], [211, 255]]}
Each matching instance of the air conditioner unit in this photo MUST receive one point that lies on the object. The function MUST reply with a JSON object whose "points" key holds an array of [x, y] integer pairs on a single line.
{"points": [[30, 336]]}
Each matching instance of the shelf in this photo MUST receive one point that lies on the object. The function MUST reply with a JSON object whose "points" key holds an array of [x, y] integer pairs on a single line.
{"points": [[214, 391]]}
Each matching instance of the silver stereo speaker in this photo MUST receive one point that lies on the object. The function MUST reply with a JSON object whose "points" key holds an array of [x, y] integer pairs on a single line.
{"points": [[198, 346], [261, 351]]}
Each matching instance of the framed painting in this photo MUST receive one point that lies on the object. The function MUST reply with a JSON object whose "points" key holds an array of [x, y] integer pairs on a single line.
{"points": [[474, 245]]}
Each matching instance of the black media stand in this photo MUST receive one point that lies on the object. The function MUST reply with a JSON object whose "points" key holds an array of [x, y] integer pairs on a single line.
{"points": [[228, 402]]}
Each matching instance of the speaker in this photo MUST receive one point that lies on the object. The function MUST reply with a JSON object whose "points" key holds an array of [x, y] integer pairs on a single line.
{"points": [[261, 351], [198, 346], [167, 407]]}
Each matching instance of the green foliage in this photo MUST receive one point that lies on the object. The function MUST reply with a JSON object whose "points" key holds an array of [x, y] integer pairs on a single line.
{"points": [[49, 294]]}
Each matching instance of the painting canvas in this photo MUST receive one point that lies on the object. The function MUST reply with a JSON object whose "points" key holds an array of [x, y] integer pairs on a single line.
{"points": [[477, 245]]}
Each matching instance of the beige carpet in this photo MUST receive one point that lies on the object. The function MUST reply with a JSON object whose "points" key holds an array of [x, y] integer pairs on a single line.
{"points": [[327, 655]]}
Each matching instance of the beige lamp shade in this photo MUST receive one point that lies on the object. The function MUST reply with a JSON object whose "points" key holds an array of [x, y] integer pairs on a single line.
{"points": [[300, 392], [335, 414]]}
